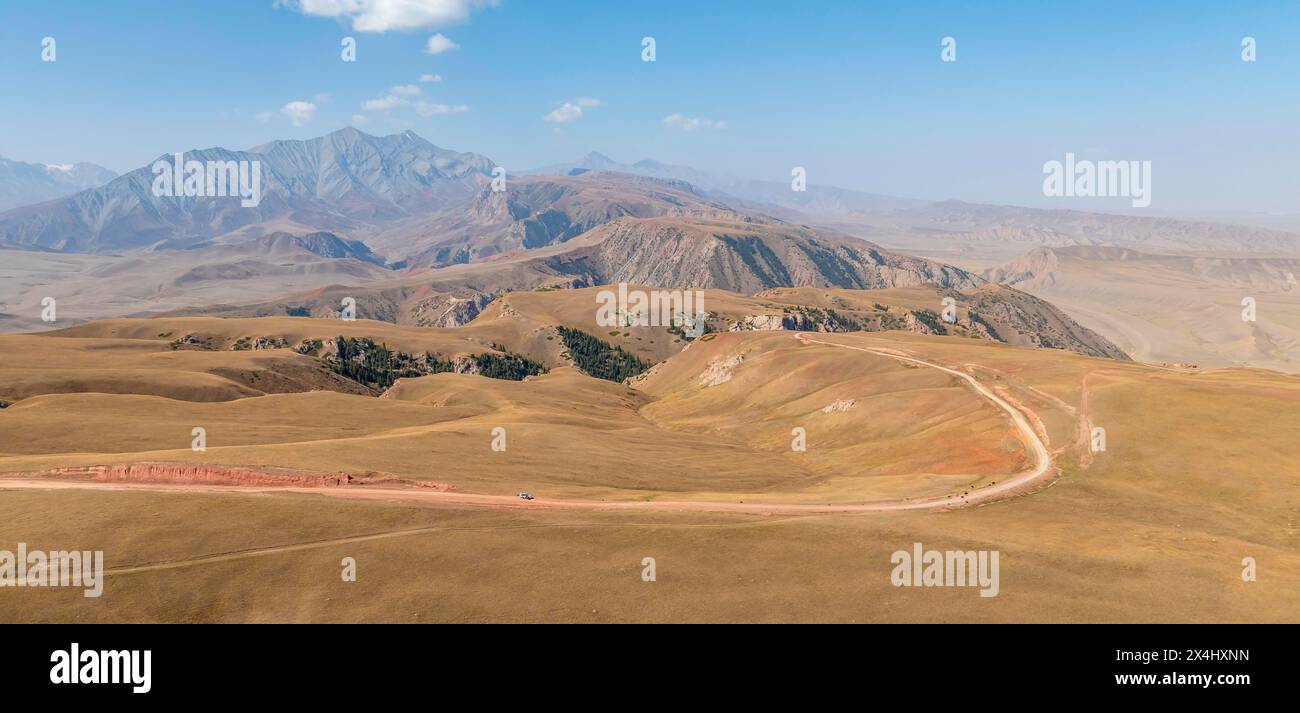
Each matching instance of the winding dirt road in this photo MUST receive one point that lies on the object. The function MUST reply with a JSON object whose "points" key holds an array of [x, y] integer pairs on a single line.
{"points": [[1014, 485]]}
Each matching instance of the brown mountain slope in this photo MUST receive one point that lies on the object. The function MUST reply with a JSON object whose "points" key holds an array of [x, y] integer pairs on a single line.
{"points": [[526, 322], [672, 253], [747, 257], [534, 212], [628, 228]]}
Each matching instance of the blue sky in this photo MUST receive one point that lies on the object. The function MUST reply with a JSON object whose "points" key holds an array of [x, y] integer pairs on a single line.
{"points": [[854, 91]]}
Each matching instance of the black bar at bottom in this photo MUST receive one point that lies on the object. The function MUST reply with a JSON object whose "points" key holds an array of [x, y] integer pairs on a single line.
{"points": [[367, 663]]}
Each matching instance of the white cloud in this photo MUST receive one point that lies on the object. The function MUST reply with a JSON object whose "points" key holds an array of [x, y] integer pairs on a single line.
{"points": [[428, 109], [440, 43], [427, 78], [403, 96], [568, 112], [360, 119], [688, 123], [385, 103], [571, 111], [385, 15], [299, 112]]}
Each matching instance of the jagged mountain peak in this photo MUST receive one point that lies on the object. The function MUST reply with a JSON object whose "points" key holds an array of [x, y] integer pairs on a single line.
{"points": [[596, 159], [346, 180]]}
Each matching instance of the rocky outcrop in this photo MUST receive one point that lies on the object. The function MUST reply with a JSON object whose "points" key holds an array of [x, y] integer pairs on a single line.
{"points": [[449, 310], [719, 370], [258, 344], [760, 323], [809, 319], [201, 342], [841, 406]]}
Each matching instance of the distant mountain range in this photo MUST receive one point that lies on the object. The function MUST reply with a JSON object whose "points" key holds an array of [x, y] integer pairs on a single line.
{"points": [[346, 181], [27, 183], [773, 197], [412, 201], [952, 226], [420, 234], [398, 214]]}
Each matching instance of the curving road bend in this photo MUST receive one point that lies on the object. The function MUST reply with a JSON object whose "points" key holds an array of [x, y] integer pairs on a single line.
{"points": [[1011, 486]]}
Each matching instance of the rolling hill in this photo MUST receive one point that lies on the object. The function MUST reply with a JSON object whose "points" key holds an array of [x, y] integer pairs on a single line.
{"points": [[1152, 529]]}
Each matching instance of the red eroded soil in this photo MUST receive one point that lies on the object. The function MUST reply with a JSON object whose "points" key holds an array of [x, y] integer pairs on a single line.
{"points": [[199, 474]]}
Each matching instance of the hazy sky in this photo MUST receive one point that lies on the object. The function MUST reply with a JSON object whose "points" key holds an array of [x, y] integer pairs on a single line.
{"points": [[854, 91]]}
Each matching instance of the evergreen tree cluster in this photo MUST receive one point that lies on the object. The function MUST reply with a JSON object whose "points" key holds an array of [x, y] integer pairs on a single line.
{"points": [[366, 362], [507, 366], [931, 320], [601, 359]]}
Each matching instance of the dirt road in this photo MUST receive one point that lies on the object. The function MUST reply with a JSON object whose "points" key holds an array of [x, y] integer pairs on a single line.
{"points": [[1013, 485]]}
